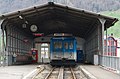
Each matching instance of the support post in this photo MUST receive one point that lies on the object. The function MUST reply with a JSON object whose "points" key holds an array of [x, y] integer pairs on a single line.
{"points": [[1, 44], [0, 47], [3, 47], [106, 42], [102, 21]]}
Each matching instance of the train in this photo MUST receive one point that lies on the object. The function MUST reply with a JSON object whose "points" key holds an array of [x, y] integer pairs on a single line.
{"points": [[63, 51]]}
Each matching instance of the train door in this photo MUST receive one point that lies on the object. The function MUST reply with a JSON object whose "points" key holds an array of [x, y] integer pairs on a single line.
{"points": [[80, 56], [57, 52], [45, 52], [66, 49]]}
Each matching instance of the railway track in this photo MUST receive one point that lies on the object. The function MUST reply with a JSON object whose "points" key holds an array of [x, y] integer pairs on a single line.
{"points": [[52, 74], [59, 73], [69, 73]]}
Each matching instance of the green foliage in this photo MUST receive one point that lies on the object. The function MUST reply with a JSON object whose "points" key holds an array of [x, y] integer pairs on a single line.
{"points": [[116, 28]]}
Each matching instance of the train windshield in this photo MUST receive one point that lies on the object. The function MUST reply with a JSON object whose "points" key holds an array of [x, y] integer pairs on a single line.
{"points": [[58, 45], [66, 45], [71, 45]]}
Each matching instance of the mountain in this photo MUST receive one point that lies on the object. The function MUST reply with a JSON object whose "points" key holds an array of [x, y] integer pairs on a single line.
{"points": [[90, 5]]}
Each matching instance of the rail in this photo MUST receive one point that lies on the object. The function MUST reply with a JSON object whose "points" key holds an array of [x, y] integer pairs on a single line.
{"points": [[73, 74], [110, 62], [39, 71], [61, 72], [49, 73]]}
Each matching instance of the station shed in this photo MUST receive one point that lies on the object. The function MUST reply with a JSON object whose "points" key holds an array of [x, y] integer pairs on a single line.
{"points": [[29, 28]]}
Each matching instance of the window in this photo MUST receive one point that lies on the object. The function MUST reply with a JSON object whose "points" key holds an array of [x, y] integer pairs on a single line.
{"points": [[66, 45], [71, 45], [57, 45], [44, 44]]}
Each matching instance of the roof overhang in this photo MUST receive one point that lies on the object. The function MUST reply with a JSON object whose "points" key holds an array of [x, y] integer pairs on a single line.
{"points": [[55, 18]]}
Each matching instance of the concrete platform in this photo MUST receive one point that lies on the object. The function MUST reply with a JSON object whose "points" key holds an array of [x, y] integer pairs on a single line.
{"points": [[96, 72], [16, 72], [20, 71]]}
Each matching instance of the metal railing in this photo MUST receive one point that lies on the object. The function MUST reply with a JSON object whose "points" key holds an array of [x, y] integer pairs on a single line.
{"points": [[110, 62]]}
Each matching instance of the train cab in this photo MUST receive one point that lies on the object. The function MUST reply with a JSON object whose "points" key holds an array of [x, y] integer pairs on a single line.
{"points": [[63, 51]]}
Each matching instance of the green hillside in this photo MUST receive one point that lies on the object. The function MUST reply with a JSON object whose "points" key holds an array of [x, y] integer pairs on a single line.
{"points": [[116, 28]]}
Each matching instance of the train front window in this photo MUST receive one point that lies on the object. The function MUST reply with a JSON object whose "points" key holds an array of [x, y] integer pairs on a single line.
{"points": [[71, 45], [66, 45], [57, 45]]}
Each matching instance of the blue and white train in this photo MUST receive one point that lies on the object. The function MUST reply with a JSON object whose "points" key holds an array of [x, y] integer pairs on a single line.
{"points": [[63, 51]]}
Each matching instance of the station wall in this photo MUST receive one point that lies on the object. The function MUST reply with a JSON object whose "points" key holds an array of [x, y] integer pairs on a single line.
{"points": [[41, 44], [80, 43], [17, 44], [93, 44]]}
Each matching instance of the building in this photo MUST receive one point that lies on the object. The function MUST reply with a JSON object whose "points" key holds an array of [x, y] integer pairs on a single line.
{"points": [[113, 46]]}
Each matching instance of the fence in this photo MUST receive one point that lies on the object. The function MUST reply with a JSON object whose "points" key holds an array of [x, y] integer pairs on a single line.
{"points": [[110, 62]]}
